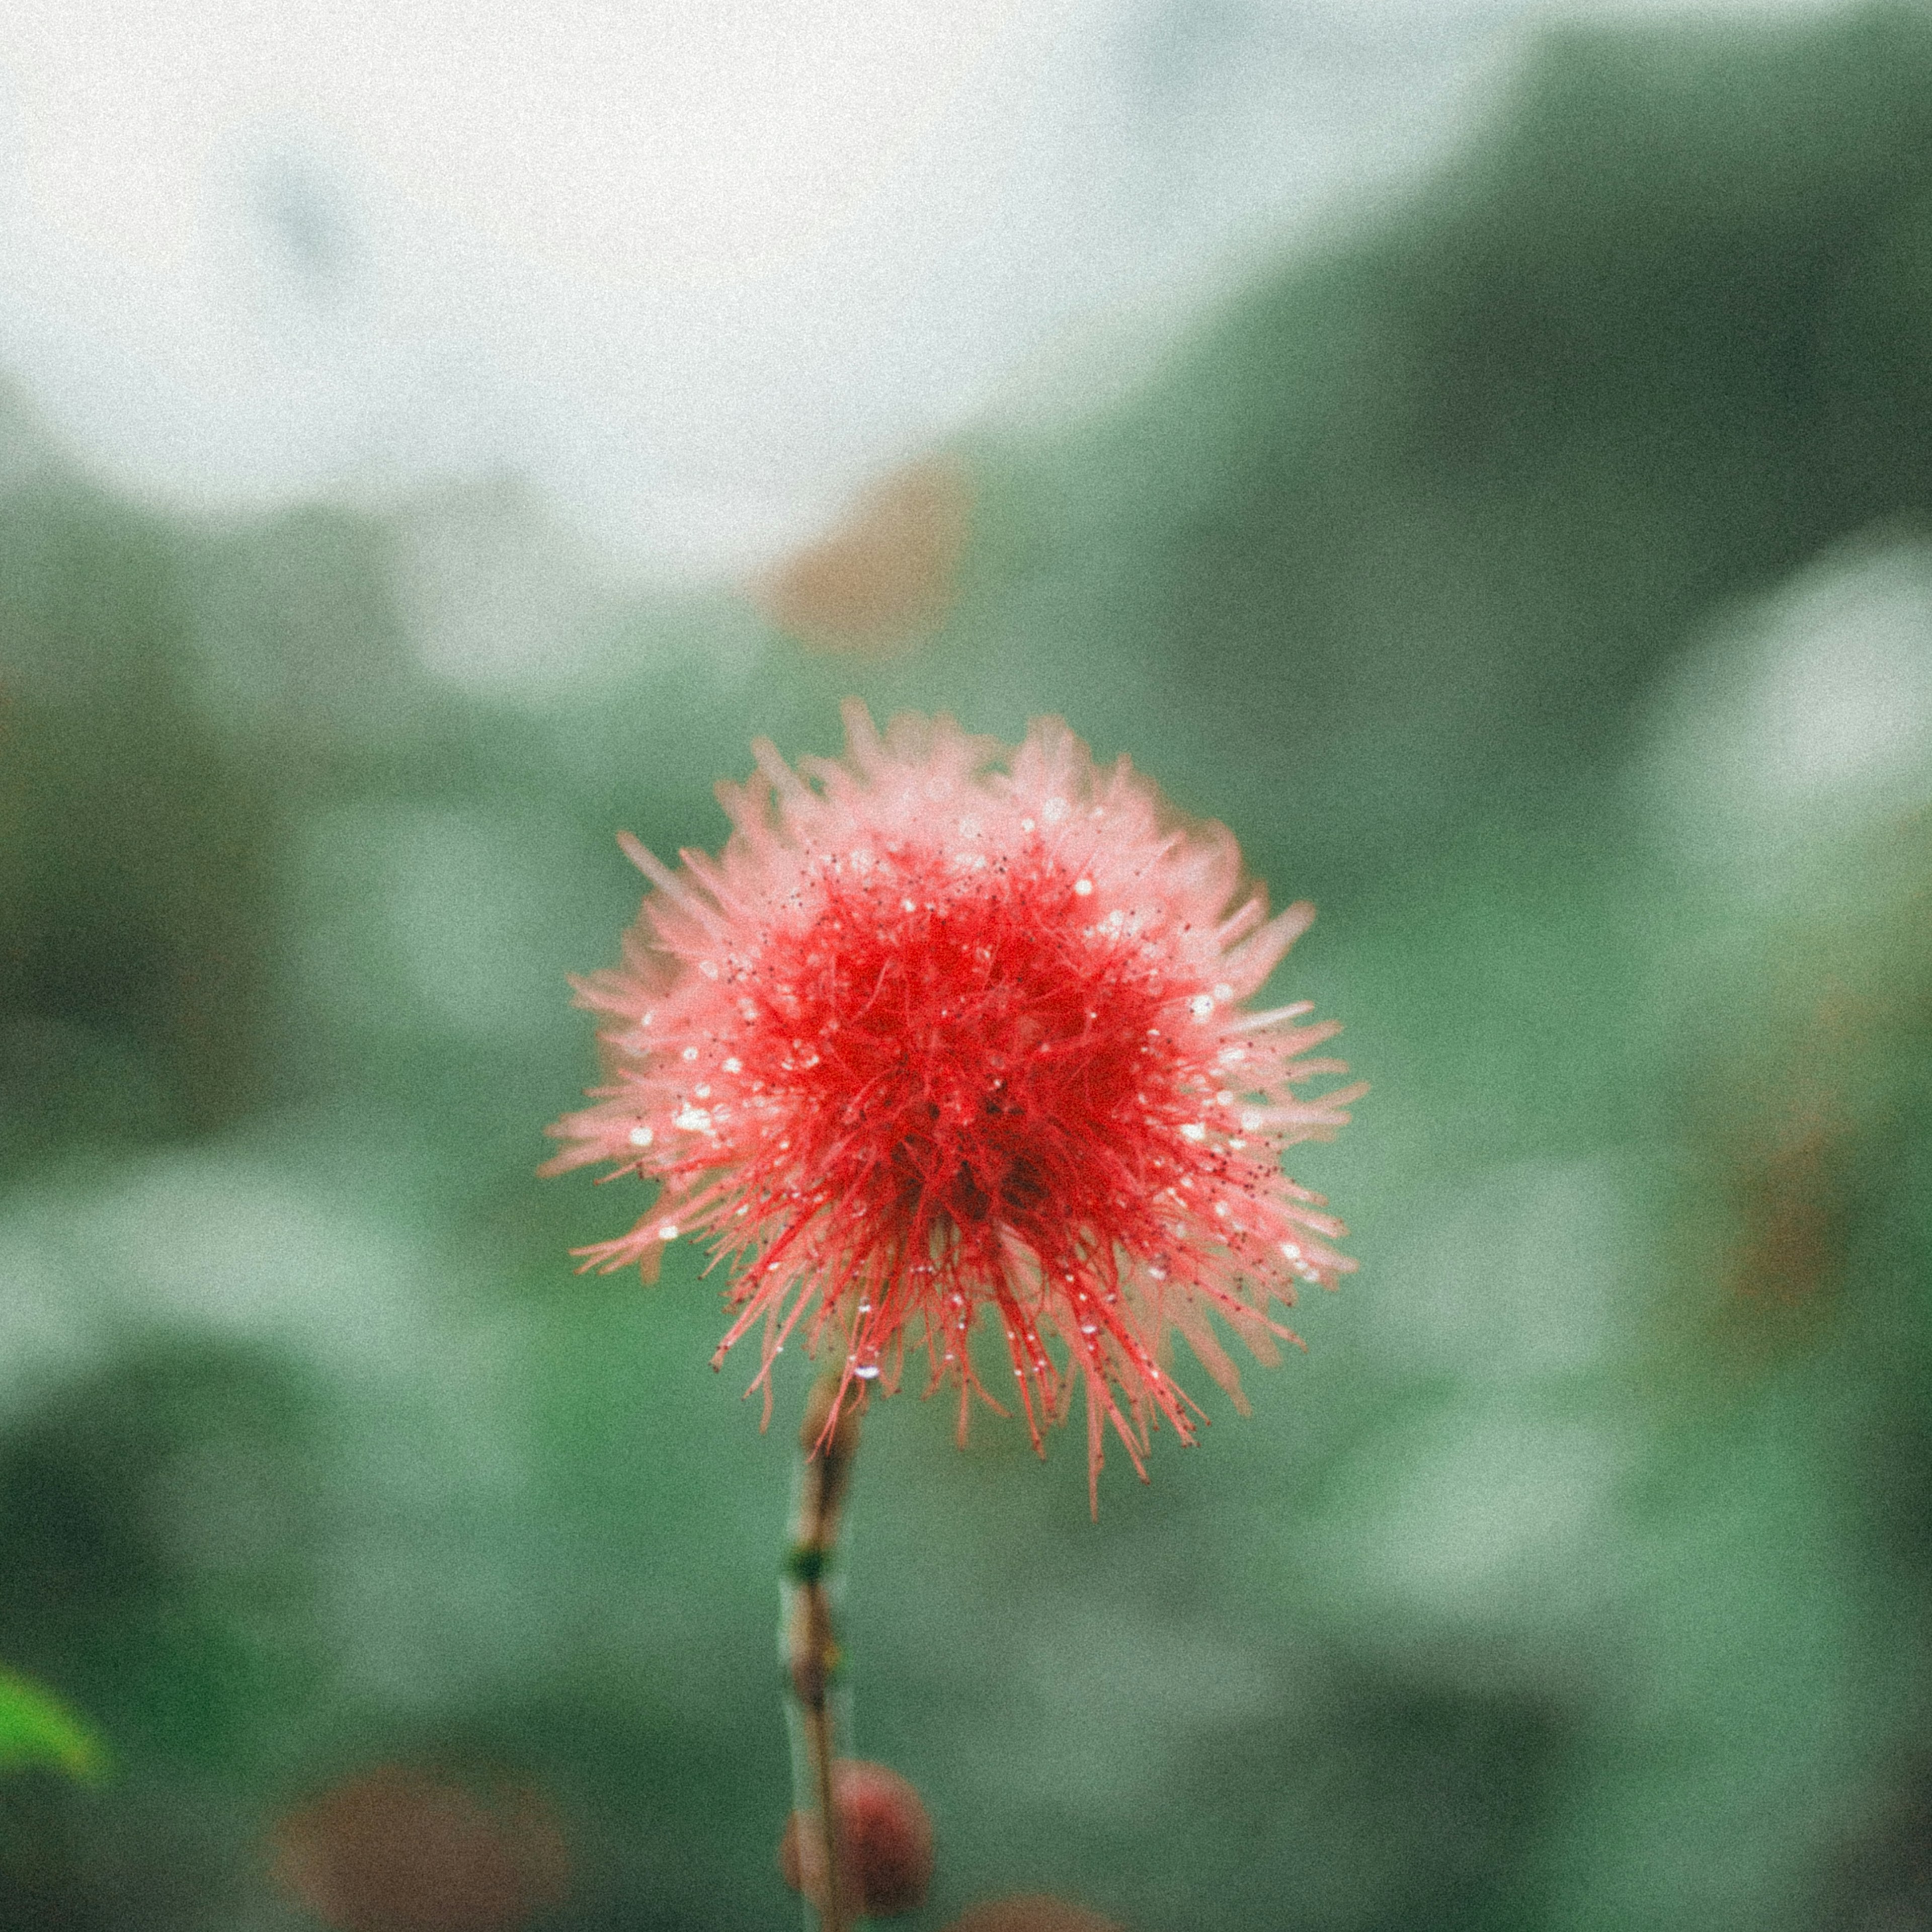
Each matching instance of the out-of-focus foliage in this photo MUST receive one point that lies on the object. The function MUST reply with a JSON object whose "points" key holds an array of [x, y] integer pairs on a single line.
{"points": [[1538, 580], [36, 1728]]}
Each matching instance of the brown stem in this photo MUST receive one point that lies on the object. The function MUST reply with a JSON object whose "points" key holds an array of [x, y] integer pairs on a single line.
{"points": [[818, 1735], [827, 1451]]}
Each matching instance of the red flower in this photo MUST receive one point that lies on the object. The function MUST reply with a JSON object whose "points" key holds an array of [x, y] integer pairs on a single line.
{"points": [[932, 1041]]}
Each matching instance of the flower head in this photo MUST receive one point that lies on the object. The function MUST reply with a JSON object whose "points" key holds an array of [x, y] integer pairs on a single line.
{"points": [[949, 1036]]}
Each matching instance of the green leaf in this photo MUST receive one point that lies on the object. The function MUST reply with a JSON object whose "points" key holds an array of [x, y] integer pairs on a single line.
{"points": [[36, 1728]]}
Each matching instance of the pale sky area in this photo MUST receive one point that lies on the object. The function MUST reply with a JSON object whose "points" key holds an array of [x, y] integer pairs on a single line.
{"points": [[694, 269]]}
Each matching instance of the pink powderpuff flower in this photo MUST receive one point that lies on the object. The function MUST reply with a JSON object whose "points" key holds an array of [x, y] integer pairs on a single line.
{"points": [[947, 1035]]}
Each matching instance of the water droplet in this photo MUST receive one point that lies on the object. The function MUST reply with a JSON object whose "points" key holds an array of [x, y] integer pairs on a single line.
{"points": [[1201, 1005], [1224, 992], [1250, 1120], [666, 1231], [690, 1053], [1195, 1130], [1083, 886], [734, 1065], [1054, 811], [641, 1137], [866, 1371]]}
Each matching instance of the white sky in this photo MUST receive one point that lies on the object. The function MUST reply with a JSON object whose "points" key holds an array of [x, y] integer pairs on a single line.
{"points": [[693, 266]]}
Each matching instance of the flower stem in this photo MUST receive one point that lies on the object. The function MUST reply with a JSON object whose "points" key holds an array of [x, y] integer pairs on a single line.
{"points": [[806, 1634]]}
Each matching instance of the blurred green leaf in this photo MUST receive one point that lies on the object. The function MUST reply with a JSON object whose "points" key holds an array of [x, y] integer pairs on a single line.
{"points": [[36, 1728]]}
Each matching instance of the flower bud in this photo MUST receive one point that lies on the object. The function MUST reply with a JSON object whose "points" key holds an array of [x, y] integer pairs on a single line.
{"points": [[1032, 1912], [885, 1843], [401, 1849]]}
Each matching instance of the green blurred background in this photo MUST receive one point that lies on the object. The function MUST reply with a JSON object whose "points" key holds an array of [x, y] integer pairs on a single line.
{"points": [[1534, 572]]}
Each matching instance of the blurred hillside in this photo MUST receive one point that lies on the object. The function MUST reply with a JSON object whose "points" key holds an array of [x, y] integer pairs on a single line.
{"points": [[1539, 578]]}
